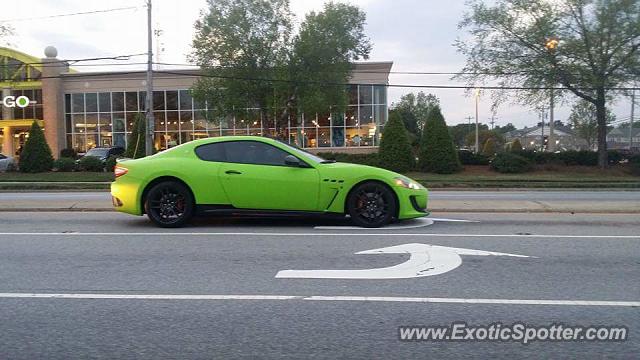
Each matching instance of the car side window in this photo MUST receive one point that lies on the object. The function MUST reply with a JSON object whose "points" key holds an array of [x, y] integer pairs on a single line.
{"points": [[2, 157], [212, 152], [254, 152]]}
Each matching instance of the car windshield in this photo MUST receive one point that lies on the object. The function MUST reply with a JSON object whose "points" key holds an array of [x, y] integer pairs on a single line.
{"points": [[97, 152], [299, 151]]}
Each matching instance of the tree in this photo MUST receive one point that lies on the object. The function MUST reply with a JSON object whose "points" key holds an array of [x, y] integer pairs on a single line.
{"points": [[583, 120], [36, 153], [489, 148], [250, 59], [437, 152], [137, 142], [516, 146], [483, 135], [460, 132], [505, 129], [417, 108], [395, 151], [589, 48]]}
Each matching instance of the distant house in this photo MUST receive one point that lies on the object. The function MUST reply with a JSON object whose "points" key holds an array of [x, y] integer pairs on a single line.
{"points": [[532, 138], [618, 138]]}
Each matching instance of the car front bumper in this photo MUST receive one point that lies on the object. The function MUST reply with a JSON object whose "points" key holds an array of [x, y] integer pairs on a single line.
{"points": [[412, 202]]}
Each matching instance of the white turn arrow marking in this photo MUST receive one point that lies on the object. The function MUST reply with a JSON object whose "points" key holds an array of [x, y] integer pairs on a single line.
{"points": [[424, 260]]}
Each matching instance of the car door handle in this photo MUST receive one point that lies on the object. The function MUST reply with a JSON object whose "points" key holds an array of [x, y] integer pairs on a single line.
{"points": [[233, 172]]}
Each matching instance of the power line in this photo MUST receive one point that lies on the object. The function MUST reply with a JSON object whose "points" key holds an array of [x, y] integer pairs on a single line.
{"points": [[70, 14]]}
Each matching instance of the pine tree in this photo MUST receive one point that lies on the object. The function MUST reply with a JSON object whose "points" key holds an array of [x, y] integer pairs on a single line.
{"points": [[395, 150], [137, 141], [437, 152], [36, 154]]}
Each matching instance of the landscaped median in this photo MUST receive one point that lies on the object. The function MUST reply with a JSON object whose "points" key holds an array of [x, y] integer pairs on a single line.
{"points": [[472, 177], [55, 181]]}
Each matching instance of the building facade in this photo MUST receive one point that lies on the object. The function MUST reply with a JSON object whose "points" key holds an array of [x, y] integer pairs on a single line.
{"points": [[82, 110], [537, 138]]}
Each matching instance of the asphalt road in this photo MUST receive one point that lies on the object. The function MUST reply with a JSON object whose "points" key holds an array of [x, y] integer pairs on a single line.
{"points": [[125, 289]]}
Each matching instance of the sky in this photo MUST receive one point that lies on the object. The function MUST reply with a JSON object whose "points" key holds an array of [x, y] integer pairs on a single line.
{"points": [[417, 35]]}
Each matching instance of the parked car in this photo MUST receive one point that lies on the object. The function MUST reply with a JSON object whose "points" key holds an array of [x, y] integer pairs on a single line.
{"points": [[6, 162], [257, 175], [103, 153]]}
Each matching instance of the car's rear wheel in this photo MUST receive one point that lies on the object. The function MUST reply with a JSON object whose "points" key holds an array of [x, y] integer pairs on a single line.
{"points": [[169, 204], [371, 204]]}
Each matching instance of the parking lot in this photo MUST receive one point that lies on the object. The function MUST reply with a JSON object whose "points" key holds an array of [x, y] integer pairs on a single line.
{"points": [[101, 282]]}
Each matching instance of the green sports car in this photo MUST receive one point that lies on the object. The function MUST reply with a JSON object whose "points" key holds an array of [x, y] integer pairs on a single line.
{"points": [[251, 174]]}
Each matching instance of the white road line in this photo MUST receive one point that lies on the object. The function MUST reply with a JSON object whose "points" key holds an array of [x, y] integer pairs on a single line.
{"points": [[408, 224], [198, 234], [454, 220], [88, 296]]}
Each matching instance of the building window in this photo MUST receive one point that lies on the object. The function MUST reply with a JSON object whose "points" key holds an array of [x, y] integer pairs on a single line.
{"points": [[105, 119]]}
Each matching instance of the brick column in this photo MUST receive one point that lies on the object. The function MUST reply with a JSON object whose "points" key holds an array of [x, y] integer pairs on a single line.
{"points": [[53, 103]]}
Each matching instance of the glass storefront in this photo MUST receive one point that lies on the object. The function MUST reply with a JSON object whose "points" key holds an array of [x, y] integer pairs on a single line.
{"points": [[105, 119]]}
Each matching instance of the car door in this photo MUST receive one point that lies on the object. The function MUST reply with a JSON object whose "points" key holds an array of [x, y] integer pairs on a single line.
{"points": [[255, 176]]}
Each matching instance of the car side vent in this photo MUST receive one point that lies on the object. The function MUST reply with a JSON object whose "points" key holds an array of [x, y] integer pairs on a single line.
{"points": [[333, 180]]}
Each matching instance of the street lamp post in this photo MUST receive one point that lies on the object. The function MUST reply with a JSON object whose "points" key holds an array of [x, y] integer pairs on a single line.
{"points": [[149, 101], [551, 46]]}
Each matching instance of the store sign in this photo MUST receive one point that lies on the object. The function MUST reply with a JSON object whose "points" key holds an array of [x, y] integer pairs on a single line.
{"points": [[12, 101]]}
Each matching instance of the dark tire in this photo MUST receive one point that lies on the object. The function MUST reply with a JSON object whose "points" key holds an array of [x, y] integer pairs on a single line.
{"points": [[371, 205], [169, 204]]}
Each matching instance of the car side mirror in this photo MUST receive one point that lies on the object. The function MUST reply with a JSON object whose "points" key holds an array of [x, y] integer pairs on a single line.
{"points": [[293, 161]]}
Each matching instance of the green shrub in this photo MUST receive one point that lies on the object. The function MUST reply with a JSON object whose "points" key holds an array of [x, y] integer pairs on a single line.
{"points": [[437, 152], [110, 163], [615, 156], [64, 164], [395, 150], [510, 163], [36, 154], [470, 158], [90, 163], [68, 153], [582, 157]]}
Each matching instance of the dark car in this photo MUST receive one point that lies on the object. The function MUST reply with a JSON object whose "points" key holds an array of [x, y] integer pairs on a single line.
{"points": [[103, 153]]}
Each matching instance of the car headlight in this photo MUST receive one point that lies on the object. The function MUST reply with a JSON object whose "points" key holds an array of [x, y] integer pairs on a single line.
{"points": [[406, 183]]}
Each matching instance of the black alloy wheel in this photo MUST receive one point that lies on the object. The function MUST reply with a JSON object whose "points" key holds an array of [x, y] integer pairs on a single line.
{"points": [[371, 205], [169, 204]]}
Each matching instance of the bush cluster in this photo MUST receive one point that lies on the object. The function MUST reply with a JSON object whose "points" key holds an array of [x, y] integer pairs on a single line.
{"points": [[64, 164], [571, 157], [634, 165], [68, 153], [110, 163], [90, 163], [470, 158], [510, 163]]}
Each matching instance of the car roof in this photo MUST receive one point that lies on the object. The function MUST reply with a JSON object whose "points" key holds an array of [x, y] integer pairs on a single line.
{"points": [[234, 138]]}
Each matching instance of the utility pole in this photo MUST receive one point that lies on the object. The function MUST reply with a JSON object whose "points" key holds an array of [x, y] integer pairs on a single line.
{"points": [[493, 120], [552, 141], [542, 117], [477, 139], [633, 105], [149, 101]]}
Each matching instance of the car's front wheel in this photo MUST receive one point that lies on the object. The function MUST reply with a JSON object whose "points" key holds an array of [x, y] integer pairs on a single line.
{"points": [[371, 204], [169, 204]]}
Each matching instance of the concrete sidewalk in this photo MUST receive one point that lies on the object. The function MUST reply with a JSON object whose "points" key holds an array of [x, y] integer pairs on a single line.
{"points": [[441, 201]]}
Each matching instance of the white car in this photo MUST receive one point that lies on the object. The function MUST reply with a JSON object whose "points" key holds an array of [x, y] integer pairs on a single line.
{"points": [[6, 162]]}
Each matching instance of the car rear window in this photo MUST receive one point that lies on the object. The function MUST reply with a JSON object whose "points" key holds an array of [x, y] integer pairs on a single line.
{"points": [[212, 152]]}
